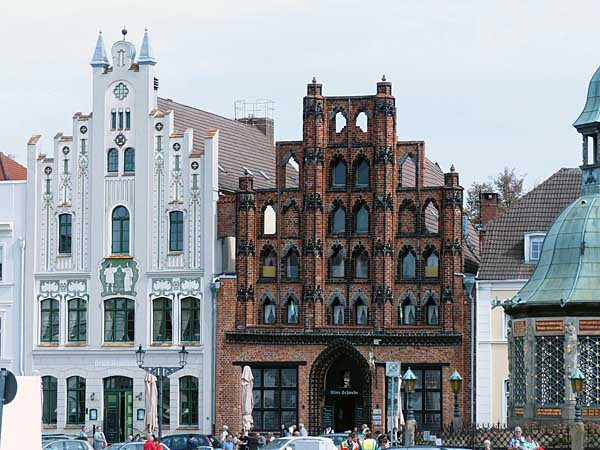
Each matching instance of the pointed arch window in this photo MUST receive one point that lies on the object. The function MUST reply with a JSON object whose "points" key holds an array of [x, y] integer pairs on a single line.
{"points": [[269, 311], [339, 220], [49, 400], [112, 160], [339, 174], [431, 266], [362, 174], [408, 265], [50, 321], [337, 311], [129, 160], [291, 308], [337, 263], [408, 315], [292, 259], [162, 320], [361, 311], [269, 269], [269, 220], [362, 220], [432, 311], [120, 230], [65, 227], [75, 400], [176, 231], [361, 264], [190, 319], [77, 331]]}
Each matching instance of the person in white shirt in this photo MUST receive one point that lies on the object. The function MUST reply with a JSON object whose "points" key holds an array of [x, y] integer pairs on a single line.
{"points": [[224, 434]]}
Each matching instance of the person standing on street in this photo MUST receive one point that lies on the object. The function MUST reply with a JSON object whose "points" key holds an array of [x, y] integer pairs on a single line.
{"points": [[516, 441], [99, 439], [228, 444], [83, 434], [351, 443], [284, 431], [303, 431], [224, 434], [369, 443]]}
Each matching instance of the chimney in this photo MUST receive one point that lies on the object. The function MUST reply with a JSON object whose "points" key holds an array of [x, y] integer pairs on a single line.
{"points": [[263, 124], [259, 115], [488, 206]]}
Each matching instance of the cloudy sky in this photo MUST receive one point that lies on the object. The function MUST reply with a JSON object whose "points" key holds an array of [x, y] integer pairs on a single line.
{"points": [[486, 84]]}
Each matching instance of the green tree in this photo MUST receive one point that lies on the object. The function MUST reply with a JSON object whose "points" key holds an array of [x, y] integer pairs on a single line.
{"points": [[507, 183]]}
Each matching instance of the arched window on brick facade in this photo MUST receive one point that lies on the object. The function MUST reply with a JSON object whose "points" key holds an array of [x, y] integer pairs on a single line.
{"points": [[291, 310], [338, 219], [269, 310], [408, 171], [269, 262], [431, 262], [292, 263], [408, 216], [361, 219], [432, 311], [336, 311], [362, 121], [361, 310], [340, 121], [338, 173], [337, 262], [360, 259], [407, 314], [407, 263], [431, 216], [361, 173], [269, 220]]}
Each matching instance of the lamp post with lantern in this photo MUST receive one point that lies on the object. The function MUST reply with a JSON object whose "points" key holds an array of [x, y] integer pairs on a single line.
{"points": [[577, 430], [456, 384], [410, 381], [161, 373]]}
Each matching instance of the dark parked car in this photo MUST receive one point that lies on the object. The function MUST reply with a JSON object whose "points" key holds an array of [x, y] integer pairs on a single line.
{"points": [[180, 441]]}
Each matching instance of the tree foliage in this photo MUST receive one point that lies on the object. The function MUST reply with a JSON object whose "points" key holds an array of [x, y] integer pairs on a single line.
{"points": [[507, 183]]}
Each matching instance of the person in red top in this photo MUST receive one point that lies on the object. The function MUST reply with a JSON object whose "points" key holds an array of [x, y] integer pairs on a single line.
{"points": [[149, 445], [157, 444], [351, 443]]}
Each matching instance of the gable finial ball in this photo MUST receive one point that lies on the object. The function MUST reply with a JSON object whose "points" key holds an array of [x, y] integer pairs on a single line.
{"points": [[452, 169], [124, 32], [314, 80], [383, 77]]}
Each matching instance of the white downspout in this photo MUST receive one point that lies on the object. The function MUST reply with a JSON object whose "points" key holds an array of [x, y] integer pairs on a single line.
{"points": [[22, 309]]}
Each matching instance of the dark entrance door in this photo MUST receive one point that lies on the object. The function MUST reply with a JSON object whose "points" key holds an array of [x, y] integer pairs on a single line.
{"points": [[118, 408], [343, 394]]}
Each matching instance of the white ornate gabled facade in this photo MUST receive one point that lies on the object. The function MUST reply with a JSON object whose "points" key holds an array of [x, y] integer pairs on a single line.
{"points": [[121, 229]]}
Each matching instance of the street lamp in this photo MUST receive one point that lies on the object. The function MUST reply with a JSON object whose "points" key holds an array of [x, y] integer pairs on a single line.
{"points": [[161, 373], [577, 381], [410, 381], [456, 383]]}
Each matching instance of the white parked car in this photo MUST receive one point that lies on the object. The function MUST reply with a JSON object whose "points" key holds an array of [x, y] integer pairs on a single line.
{"points": [[66, 444], [301, 443]]}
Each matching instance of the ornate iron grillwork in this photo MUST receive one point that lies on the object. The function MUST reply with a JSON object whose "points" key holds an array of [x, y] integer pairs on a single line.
{"points": [[549, 370], [519, 381], [589, 364]]}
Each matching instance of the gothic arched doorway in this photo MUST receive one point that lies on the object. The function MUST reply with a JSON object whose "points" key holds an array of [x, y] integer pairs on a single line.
{"points": [[339, 388]]}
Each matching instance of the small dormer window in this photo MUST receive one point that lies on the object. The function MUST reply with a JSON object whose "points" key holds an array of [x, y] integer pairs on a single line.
{"points": [[533, 246]]}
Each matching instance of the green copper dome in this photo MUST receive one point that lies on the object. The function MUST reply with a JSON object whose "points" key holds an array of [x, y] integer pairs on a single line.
{"points": [[591, 110], [569, 267]]}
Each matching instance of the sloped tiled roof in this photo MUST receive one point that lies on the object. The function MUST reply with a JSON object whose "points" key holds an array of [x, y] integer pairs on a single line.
{"points": [[10, 169], [503, 246], [239, 144]]}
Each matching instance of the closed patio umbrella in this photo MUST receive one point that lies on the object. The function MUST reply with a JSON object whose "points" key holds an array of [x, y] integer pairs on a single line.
{"points": [[247, 399], [151, 416], [399, 416]]}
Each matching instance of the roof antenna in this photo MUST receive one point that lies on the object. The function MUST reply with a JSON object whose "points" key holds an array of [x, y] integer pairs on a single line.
{"points": [[124, 32]]}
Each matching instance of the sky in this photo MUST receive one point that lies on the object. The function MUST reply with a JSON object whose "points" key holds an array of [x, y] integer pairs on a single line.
{"points": [[486, 84]]}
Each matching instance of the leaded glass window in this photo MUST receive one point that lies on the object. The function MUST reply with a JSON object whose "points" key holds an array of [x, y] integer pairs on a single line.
{"points": [[120, 230], [361, 265], [550, 369], [589, 364], [64, 233], [162, 320], [269, 312], [112, 160], [291, 306], [275, 397], [362, 220], [129, 160], [291, 264], [339, 174], [190, 320], [362, 174], [432, 311], [119, 320], [339, 221], [519, 381], [176, 231], [49, 403], [408, 266], [407, 312], [188, 401], [77, 331], [337, 264], [50, 321], [76, 400], [361, 310], [337, 311]]}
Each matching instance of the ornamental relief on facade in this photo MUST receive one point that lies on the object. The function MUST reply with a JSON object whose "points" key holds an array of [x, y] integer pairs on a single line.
{"points": [[63, 289], [176, 287], [119, 276]]}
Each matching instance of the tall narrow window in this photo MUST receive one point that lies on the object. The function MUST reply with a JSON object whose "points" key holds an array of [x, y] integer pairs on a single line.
{"points": [[120, 230], [188, 401], [337, 310], [113, 119], [77, 331], [190, 320], [49, 400], [269, 311], [408, 266], [64, 233], [339, 174], [75, 400], [291, 306], [362, 122], [112, 161], [119, 320], [361, 264], [269, 220], [340, 122], [129, 160], [432, 312], [362, 220], [269, 269], [362, 174], [166, 402], [407, 312], [176, 231], [50, 321], [339, 221], [291, 264], [431, 269], [127, 118], [120, 119], [337, 264], [162, 320], [361, 311]]}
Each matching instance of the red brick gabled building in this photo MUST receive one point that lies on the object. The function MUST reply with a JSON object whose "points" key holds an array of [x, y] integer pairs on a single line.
{"points": [[352, 261]]}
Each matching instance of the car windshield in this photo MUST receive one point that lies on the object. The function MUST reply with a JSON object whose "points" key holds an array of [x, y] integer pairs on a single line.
{"points": [[276, 444], [116, 446]]}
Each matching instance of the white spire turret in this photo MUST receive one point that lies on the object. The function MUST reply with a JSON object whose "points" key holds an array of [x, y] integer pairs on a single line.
{"points": [[100, 59], [146, 52]]}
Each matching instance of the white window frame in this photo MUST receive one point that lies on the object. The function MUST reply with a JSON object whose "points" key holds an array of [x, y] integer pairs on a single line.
{"points": [[505, 393], [529, 238], [3, 263], [505, 321]]}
